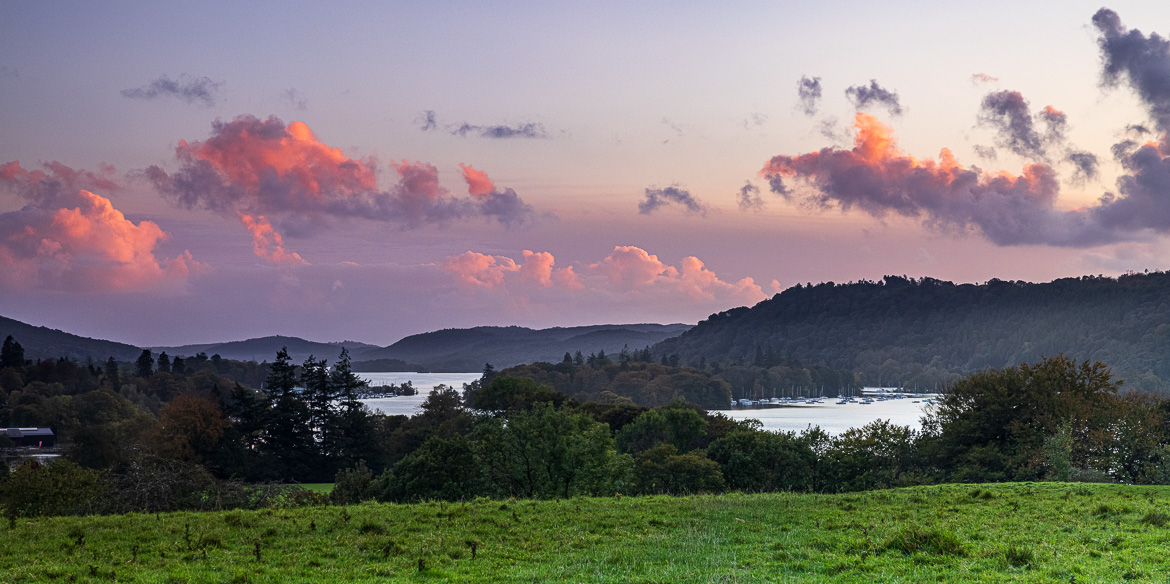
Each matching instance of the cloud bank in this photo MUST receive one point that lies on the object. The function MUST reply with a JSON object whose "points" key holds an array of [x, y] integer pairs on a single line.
{"points": [[627, 271], [68, 238]]}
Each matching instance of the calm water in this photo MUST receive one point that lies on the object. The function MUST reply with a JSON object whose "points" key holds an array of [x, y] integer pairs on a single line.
{"points": [[832, 418], [408, 405]]}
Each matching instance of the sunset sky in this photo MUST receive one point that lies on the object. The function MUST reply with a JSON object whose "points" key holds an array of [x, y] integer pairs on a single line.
{"points": [[220, 170]]}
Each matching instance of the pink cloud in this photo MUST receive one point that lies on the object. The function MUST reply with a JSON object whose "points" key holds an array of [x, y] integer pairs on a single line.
{"points": [[629, 267], [632, 269], [267, 243], [628, 270], [263, 167], [537, 267], [87, 245], [484, 271], [55, 181], [477, 269], [478, 182]]}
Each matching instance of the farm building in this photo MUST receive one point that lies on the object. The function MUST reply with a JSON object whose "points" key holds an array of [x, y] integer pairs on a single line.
{"points": [[30, 437]]}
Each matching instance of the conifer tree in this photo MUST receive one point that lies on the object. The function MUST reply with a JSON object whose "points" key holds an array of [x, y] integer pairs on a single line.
{"points": [[355, 440], [112, 373], [289, 438], [12, 355], [145, 364]]}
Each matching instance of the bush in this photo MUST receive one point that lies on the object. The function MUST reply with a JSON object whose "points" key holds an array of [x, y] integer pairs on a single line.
{"points": [[57, 488], [354, 485], [661, 470], [151, 484]]}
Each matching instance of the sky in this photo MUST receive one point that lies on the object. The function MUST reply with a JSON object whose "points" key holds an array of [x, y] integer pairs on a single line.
{"points": [[177, 173]]}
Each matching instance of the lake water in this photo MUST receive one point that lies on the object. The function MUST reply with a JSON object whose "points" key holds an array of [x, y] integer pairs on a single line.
{"points": [[409, 405], [832, 418]]}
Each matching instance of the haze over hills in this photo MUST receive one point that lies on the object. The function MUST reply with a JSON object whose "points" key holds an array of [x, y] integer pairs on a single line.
{"points": [[469, 349], [922, 332], [897, 331], [444, 350], [264, 349]]}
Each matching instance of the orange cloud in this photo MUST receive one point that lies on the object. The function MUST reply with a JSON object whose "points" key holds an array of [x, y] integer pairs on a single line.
{"points": [[264, 168], [87, 247], [251, 153], [878, 178], [267, 243], [478, 182]]}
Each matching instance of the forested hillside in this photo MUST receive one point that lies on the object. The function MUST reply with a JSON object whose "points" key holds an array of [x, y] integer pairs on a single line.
{"points": [[925, 332], [468, 349], [41, 342], [263, 348]]}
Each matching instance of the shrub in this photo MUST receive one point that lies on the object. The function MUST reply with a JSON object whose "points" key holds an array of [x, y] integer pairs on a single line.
{"points": [[57, 488], [354, 485]]}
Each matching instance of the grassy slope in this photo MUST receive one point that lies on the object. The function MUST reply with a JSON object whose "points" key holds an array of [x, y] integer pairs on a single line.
{"points": [[969, 533]]}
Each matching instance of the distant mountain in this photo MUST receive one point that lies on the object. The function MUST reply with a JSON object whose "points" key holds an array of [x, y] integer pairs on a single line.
{"points": [[45, 343], [439, 351], [265, 348], [920, 332], [469, 349]]}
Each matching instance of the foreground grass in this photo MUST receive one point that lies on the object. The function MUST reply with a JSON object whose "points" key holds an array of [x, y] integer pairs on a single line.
{"points": [[1028, 532]]}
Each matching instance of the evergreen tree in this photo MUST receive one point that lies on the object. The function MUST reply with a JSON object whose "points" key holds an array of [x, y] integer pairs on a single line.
{"points": [[319, 397], [346, 385], [112, 373], [12, 355], [289, 438], [144, 364], [164, 363], [602, 360], [178, 367], [356, 436], [578, 359]]}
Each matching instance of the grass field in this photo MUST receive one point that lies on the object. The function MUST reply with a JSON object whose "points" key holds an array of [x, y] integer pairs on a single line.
{"points": [[324, 488], [1032, 532]]}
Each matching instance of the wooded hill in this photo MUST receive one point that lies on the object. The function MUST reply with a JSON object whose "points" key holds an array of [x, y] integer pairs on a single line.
{"points": [[41, 342], [469, 349], [907, 332], [461, 350]]}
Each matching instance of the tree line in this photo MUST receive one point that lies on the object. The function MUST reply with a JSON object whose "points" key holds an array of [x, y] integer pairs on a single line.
{"points": [[927, 333], [513, 436]]}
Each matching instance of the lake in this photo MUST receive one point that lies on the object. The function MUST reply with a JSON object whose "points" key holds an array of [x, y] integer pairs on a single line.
{"points": [[409, 405], [832, 418]]}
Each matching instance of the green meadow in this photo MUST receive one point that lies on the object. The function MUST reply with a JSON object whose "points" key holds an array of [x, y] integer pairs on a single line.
{"points": [[1022, 532]]}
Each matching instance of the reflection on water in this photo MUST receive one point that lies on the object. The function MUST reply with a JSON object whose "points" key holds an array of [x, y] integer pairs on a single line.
{"points": [[830, 416]]}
